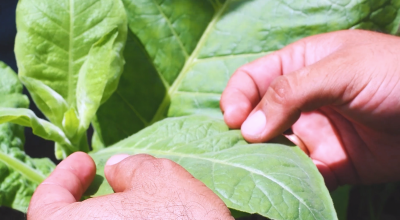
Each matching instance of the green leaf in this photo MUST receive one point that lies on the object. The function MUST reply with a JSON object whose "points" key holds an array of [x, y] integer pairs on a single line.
{"points": [[40, 127], [19, 174], [69, 55], [11, 89], [11, 97], [238, 214], [182, 53], [97, 77], [9, 83], [340, 198], [277, 181]]}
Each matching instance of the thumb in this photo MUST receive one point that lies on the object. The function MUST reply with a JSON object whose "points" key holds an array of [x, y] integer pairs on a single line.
{"points": [[163, 186], [123, 171], [64, 186], [326, 82], [143, 172]]}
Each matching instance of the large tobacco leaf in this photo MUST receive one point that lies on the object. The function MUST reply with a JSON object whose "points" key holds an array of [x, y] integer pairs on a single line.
{"points": [[69, 55], [274, 180], [19, 174], [181, 54]]}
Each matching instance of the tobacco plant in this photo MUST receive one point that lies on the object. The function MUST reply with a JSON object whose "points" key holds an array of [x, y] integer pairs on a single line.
{"points": [[148, 75]]}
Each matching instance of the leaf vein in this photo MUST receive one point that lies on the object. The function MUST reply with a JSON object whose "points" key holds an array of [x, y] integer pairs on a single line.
{"points": [[189, 62], [22, 168], [52, 20], [132, 108], [172, 29], [223, 57], [87, 8]]}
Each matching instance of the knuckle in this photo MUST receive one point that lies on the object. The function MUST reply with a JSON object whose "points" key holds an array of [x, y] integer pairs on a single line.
{"points": [[151, 165], [280, 91], [168, 164]]}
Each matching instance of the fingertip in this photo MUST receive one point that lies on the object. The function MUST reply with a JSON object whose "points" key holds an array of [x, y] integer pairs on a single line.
{"points": [[66, 183], [330, 179], [253, 128], [111, 167], [234, 116], [81, 165]]}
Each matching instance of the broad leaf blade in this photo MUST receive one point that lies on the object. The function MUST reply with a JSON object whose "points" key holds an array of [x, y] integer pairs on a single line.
{"points": [[191, 48], [163, 32], [19, 174], [126, 102], [59, 46], [277, 181]]}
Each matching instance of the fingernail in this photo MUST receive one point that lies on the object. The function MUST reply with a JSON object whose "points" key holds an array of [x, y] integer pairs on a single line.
{"points": [[255, 124], [116, 159]]}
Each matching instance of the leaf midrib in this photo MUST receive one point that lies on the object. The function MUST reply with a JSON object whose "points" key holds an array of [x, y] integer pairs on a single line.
{"points": [[189, 62], [132, 108], [213, 161], [22, 168], [70, 54]]}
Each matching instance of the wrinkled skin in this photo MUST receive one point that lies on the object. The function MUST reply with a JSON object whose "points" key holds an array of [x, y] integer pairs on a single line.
{"points": [[145, 188], [339, 93]]}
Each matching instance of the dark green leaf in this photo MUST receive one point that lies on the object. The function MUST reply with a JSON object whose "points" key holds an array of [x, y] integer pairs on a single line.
{"points": [[340, 199]]}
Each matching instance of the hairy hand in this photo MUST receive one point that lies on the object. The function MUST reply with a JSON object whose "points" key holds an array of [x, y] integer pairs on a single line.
{"points": [[340, 94], [145, 188]]}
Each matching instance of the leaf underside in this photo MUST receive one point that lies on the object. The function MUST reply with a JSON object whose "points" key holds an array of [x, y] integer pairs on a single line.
{"points": [[274, 180]]}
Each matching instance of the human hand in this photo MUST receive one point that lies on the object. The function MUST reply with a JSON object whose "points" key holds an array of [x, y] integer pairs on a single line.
{"points": [[145, 188], [340, 94]]}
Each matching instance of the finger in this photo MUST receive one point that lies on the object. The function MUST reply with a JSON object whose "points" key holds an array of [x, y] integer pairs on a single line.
{"points": [[326, 82], [160, 187], [65, 185], [250, 82], [124, 172], [318, 131]]}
